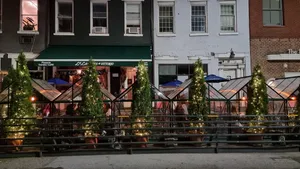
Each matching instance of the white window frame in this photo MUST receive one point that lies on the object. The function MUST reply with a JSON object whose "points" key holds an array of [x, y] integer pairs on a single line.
{"points": [[233, 2], [21, 31], [135, 2], [92, 2], [56, 19], [1, 15], [173, 5], [278, 9], [199, 3]]}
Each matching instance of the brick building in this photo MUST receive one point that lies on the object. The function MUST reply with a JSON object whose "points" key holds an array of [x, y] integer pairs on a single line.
{"points": [[275, 37]]}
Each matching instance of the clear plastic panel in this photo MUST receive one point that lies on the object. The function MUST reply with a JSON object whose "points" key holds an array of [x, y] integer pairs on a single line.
{"points": [[213, 93], [72, 92], [230, 88], [45, 89], [179, 89], [235, 87], [283, 86], [228, 84], [272, 93], [292, 87]]}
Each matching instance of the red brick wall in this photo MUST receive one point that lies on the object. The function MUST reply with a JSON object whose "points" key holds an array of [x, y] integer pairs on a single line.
{"points": [[267, 40], [260, 48], [290, 29]]}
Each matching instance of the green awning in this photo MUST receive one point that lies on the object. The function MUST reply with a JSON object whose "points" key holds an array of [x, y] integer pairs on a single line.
{"points": [[102, 55]]}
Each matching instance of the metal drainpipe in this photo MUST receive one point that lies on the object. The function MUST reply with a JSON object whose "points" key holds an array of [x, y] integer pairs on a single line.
{"points": [[47, 24], [152, 41], [47, 34]]}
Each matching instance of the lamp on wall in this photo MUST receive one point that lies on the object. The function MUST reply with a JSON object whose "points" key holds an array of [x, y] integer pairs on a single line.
{"points": [[232, 54]]}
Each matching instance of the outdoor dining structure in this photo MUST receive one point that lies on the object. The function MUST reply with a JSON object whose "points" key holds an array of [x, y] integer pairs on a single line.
{"points": [[235, 93], [44, 94], [225, 127], [288, 88]]}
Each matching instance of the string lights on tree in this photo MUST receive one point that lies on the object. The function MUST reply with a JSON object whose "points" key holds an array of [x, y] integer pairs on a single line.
{"points": [[257, 99], [197, 101], [91, 104], [141, 105], [21, 111]]}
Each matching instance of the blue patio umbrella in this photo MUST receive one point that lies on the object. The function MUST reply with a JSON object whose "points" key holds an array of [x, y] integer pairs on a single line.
{"points": [[174, 83], [214, 79], [57, 81]]}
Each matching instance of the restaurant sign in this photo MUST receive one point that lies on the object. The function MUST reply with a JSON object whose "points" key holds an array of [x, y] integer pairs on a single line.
{"points": [[46, 64], [97, 63], [60, 63], [84, 63], [291, 51]]}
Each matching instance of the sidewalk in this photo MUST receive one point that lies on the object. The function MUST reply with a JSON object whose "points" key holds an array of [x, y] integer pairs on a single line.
{"points": [[160, 161]]}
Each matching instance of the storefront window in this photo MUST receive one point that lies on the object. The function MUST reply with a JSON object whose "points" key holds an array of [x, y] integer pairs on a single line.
{"points": [[182, 72], [114, 79], [183, 69]]}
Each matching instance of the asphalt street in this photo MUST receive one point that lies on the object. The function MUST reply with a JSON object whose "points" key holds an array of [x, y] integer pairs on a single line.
{"points": [[160, 161]]}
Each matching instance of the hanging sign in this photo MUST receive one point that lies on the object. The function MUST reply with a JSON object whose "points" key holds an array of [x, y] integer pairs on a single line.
{"points": [[46, 64]]}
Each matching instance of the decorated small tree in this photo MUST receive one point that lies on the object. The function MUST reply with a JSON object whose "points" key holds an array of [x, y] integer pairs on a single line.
{"points": [[197, 99], [141, 105], [21, 110], [7, 81], [257, 100], [92, 105]]}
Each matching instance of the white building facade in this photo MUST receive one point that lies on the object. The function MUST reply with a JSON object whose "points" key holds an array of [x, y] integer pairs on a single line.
{"points": [[185, 30]]}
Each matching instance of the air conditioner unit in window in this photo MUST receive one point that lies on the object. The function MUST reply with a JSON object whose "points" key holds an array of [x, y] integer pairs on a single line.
{"points": [[133, 30], [26, 39], [98, 30]]}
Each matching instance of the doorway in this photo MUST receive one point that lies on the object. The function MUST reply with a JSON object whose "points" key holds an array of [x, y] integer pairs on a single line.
{"points": [[115, 80]]}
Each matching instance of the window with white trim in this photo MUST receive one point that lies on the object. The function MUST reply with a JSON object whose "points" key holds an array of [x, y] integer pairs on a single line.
{"points": [[99, 17], [0, 15], [64, 16], [29, 15], [166, 17], [228, 16], [198, 17], [272, 12], [133, 17]]}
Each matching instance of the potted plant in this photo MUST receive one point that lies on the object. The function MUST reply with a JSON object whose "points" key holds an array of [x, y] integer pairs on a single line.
{"points": [[91, 105], [20, 119], [257, 104], [197, 103], [141, 105], [28, 24]]}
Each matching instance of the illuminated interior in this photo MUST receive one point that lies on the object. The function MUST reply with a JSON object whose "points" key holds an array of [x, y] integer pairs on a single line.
{"points": [[29, 15]]}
